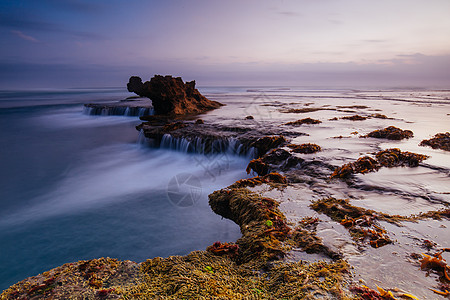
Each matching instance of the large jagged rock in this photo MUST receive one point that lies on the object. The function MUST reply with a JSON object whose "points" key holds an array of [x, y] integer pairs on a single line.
{"points": [[170, 95]]}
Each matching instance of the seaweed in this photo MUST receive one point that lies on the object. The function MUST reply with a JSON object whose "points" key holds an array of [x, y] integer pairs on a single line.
{"points": [[251, 212], [439, 141], [264, 144], [303, 121], [341, 137], [444, 290], [303, 110], [353, 106], [174, 126], [305, 148], [395, 158], [378, 116], [386, 158], [306, 281], [365, 293], [436, 264], [91, 279], [304, 236], [220, 249], [271, 178], [361, 223], [354, 118], [257, 166], [391, 133], [435, 214], [363, 165], [276, 156], [202, 275]]}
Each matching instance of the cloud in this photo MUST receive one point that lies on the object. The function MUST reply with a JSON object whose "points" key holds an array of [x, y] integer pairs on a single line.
{"points": [[289, 13], [24, 36], [429, 72], [20, 24]]}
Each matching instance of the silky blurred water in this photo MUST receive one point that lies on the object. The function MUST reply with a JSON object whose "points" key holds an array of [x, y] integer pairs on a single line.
{"points": [[75, 186]]}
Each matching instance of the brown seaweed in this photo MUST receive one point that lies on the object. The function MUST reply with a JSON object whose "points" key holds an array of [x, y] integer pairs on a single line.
{"points": [[305, 148], [264, 144], [354, 118], [257, 166], [262, 224], [173, 126], [91, 279], [271, 178], [363, 165], [303, 110], [219, 248], [391, 133], [303, 121], [439, 141], [378, 116], [202, 275], [396, 158], [386, 158], [361, 223], [365, 293]]}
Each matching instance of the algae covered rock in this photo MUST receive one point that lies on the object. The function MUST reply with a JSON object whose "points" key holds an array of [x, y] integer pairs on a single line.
{"points": [[303, 121], [355, 118], [363, 165], [391, 133], [87, 279], [272, 178], [439, 141], [266, 143], [307, 148], [396, 158], [386, 158]]}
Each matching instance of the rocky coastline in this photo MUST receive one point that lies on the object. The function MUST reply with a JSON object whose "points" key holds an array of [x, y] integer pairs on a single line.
{"points": [[262, 264]]}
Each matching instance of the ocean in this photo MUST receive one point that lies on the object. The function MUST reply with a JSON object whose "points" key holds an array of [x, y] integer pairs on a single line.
{"points": [[77, 186]]}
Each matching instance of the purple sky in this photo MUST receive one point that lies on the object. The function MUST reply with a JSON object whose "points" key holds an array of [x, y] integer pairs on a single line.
{"points": [[69, 43]]}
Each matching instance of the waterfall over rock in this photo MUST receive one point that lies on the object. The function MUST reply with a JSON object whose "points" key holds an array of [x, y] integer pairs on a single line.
{"points": [[99, 110]]}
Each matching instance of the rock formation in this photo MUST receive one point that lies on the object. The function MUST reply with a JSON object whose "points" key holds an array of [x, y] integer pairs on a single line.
{"points": [[170, 95]]}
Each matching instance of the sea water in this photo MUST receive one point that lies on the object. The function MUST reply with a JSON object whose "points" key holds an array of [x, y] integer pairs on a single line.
{"points": [[76, 186]]}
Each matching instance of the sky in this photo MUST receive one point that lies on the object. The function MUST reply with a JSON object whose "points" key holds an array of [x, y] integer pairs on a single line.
{"points": [[87, 43]]}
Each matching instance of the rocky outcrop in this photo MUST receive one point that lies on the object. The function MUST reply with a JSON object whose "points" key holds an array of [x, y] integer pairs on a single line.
{"points": [[206, 138], [170, 95]]}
